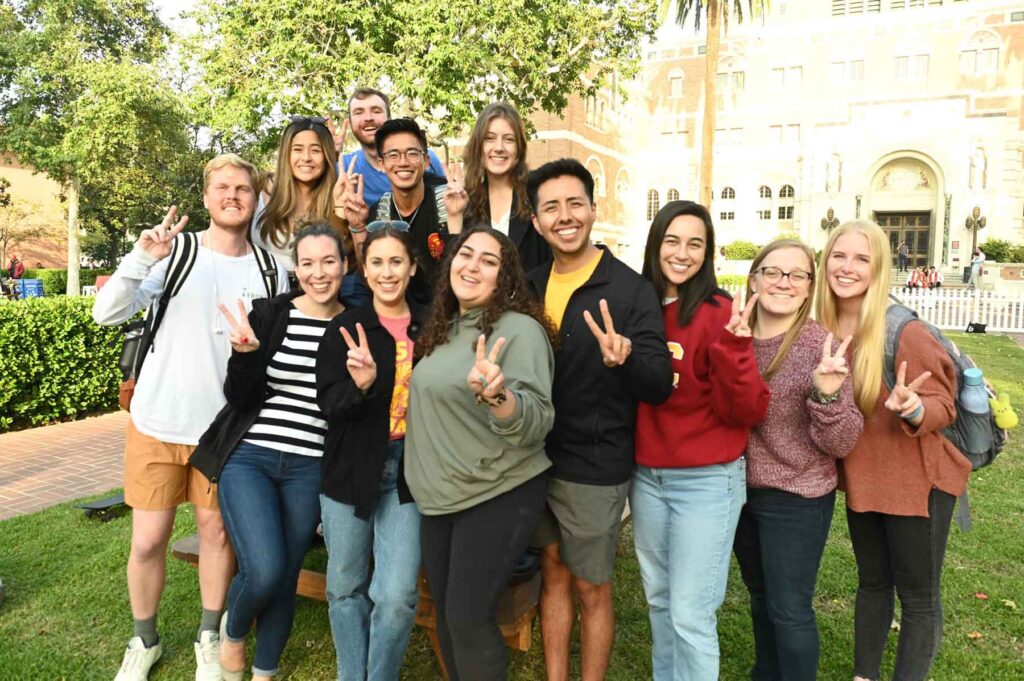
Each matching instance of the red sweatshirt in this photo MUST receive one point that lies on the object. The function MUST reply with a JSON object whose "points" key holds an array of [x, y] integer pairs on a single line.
{"points": [[718, 394]]}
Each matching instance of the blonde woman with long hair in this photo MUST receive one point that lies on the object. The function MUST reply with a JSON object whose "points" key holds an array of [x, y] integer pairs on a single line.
{"points": [[903, 477], [811, 422]]}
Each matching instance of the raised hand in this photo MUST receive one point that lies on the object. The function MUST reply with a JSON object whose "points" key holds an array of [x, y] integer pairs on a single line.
{"points": [[739, 322], [242, 338], [348, 195], [485, 378], [361, 366], [455, 197], [904, 398], [158, 241], [615, 348], [832, 370], [336, 134]]}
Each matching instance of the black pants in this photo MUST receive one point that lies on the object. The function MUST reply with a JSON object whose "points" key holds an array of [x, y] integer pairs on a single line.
{"points": [[779, 542], [469, 557], [905, 552]]}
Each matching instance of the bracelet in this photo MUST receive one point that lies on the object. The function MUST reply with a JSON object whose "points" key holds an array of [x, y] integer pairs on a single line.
{"points": [[495, 401], [822, 398], [914, 414], [356, 230]]}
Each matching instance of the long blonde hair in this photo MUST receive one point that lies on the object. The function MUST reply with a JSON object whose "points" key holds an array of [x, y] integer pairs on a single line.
{"points": [[802, 314], [278, 216], [869, 340]]}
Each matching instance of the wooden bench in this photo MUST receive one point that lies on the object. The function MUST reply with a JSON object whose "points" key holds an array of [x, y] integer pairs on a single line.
{"points": [[517, 606]]}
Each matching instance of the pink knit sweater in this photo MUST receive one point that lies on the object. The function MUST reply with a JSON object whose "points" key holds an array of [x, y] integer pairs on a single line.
{"points": [[795, 447]]}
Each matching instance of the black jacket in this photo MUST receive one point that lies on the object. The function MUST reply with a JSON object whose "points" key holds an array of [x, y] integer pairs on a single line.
{"points": [[358, 424], [534, 252], [245, 386], [595, 407]]}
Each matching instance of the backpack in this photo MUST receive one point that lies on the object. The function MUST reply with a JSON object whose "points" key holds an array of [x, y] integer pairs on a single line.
{"points": [[966, 423], [138, 336], [384, 207]]}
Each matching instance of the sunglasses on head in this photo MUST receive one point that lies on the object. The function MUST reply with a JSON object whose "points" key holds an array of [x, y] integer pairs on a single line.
{"points": [[310, 120], [398, 225]]}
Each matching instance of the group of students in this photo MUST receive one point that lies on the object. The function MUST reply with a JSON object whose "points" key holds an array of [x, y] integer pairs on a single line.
{"points": [[460, 374], [924, 278]]}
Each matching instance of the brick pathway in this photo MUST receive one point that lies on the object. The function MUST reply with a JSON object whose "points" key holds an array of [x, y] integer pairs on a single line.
{"points": [[44, 466]]}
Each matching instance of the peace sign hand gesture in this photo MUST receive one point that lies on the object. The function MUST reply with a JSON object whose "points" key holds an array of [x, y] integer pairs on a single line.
{"points": [[348, 195], [361, 366], [739, 322], [832, 370], [485, 378], [904, 398], [158, 241], [455, 197], [615, 348], [242, 338], [338, 136]]}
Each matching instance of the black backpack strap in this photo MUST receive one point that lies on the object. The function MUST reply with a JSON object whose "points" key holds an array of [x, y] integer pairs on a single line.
{"points": [[268, 269], [181, 260]]}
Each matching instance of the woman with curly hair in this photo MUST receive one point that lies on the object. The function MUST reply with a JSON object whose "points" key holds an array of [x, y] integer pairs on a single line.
{"points": [[495, 181], [475, 446]]}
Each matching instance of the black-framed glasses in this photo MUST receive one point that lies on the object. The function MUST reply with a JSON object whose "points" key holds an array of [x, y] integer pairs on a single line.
{"points": [[398, 225], [411, 155], [773, 275]]}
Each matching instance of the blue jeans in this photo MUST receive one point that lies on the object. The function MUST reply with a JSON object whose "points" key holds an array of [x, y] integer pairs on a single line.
{"points": [[684, 520], [268, 500], [371, 623], [779, 543]]}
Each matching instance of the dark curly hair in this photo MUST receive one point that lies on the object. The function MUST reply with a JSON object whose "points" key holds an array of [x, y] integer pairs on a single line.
{"points": [[512, 294]]}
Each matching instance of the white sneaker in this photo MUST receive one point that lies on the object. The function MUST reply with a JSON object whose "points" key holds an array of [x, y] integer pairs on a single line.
{"points": [[208, 657], [137, 660]]}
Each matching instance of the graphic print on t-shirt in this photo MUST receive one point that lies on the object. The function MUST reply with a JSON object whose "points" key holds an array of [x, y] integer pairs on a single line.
{"points": [[400, 397], [676, 350]]}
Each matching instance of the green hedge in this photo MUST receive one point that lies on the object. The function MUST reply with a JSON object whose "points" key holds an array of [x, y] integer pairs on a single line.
{"points": [[55, 361], [55, 282], [998, 250], [741, 250]]}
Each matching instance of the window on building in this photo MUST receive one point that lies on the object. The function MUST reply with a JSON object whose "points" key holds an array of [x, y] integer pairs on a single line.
{"points": [[764, 214], [728, 193], [730, 83], [672, 195], [842, 8], [787, 76], [775, 133], [764, 192], [902, 65], [786, 202], [727, 215], [847, 71], [980, 55], [792, 133], [675, 84], [653, 204], [911, 67]]}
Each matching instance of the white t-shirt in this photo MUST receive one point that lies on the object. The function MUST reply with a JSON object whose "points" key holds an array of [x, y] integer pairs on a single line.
{"points": [[181, 386]]}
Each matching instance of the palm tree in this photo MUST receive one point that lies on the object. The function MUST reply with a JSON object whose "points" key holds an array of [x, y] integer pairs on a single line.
{"points": [[717, 13]]}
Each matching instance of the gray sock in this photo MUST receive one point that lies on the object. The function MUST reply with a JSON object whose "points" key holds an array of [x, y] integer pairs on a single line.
{"points": [[210, 622], [146, 630]]}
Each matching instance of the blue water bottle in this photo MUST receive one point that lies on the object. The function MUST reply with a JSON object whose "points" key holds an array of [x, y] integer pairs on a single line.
{"points": [[974, 399]]}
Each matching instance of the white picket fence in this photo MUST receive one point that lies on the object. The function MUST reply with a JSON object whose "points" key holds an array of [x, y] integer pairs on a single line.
{"points": [[954, 309]]}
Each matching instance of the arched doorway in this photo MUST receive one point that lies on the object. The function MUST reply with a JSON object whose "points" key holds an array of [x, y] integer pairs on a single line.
{"points": [[903, 201]]}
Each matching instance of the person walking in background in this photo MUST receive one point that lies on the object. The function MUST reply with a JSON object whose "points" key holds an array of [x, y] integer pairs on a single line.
{"points": [[812, 420], [364, 366], [690, 480], [902, 478], [476, 463], [977, 269], [903, 256], [16, 268]]}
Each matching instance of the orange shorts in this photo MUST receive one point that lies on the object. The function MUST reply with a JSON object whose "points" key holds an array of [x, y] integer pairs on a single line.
{"points": [[157, 476]]}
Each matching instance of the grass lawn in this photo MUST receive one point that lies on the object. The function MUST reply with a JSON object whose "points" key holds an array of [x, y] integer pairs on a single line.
{"points": [[67, 613]]}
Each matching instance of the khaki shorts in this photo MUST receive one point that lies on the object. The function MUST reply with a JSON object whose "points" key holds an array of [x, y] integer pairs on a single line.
{"points": [[157, 476], [585, 521]]}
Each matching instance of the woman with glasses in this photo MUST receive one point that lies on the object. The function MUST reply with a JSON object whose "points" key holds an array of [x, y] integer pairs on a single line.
{"points": [[364, 365], [811, 421], [264, 450], [480, 409], [690, 480], [305, 186], [902, 478], [495, 183]]}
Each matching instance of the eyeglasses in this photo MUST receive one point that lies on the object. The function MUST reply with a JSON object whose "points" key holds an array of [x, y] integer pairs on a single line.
{"points": [[774, 275], [397, 225], [411, 155], [311, 120]]}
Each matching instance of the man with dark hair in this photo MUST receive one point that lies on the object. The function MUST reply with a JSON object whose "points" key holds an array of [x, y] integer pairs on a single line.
{"points": [[413, 196], [368, 110], [602, 370]]}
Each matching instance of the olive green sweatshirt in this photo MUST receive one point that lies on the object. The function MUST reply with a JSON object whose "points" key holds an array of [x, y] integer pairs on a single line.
{"points": [[457, 455]]}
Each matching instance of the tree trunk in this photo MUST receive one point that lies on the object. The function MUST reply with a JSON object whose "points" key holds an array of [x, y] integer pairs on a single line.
{"points": [[74, 246], [707, 148]]}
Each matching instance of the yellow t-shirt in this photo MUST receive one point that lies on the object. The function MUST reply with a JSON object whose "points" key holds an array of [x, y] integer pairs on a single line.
{"points": [[562, 286]]}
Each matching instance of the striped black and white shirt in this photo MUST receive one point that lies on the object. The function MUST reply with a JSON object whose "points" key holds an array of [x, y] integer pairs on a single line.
{"points": [[290, 420]]}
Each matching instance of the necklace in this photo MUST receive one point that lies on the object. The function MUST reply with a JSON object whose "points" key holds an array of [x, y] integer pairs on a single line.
{"points": [[402, 217]]}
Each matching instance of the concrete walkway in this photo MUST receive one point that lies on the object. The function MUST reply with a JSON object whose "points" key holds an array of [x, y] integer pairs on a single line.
{"points": [[41, 467]]}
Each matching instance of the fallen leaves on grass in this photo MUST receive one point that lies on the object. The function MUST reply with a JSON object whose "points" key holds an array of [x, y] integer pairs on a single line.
{"points": [[974, 635], [980, 596]]}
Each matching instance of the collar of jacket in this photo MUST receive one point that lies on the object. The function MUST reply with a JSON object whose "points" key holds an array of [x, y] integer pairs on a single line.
{"points": [[602, 274]]}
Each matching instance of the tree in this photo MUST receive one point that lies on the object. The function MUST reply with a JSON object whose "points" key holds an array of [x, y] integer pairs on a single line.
{"points": [[442, 60], [5, 194], [79, 96], [717, 13]]}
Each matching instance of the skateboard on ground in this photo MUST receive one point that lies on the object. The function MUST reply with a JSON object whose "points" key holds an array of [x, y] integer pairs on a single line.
{"points": [[105, 509]]}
